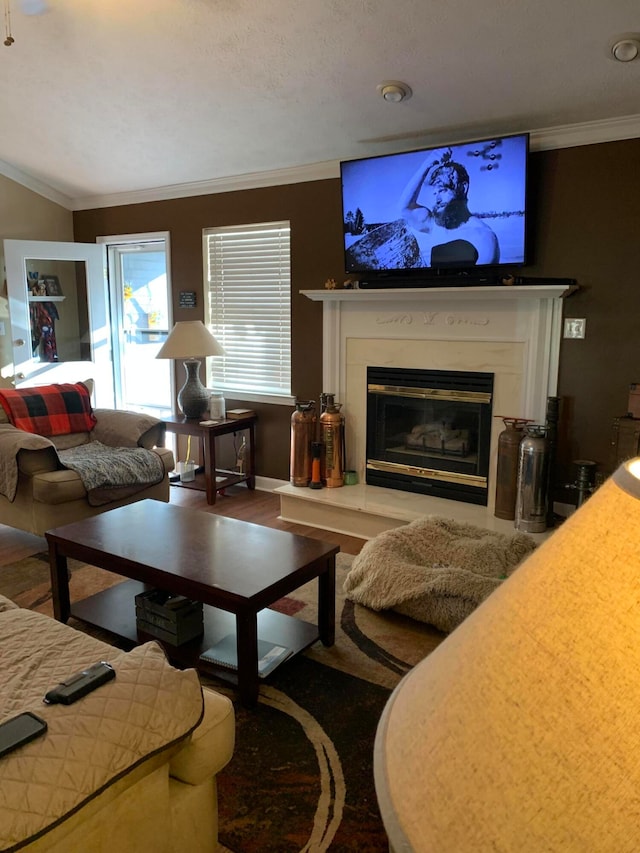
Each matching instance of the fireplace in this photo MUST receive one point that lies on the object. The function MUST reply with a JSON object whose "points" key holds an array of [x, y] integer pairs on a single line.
{"points": [[429, 431], [512, 333]]}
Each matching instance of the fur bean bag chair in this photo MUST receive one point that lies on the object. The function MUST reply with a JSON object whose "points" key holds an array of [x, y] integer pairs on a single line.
{"points": [[435, 570]]}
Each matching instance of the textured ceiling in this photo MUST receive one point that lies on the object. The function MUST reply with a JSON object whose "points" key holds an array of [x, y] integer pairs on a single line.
{"points": [[99, 97]]}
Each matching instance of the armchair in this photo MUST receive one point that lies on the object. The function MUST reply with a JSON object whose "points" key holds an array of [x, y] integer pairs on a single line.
{"points": [[42, 484]]}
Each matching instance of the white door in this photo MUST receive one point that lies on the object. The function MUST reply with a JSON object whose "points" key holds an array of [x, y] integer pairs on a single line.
{"points": [[58, 308]]}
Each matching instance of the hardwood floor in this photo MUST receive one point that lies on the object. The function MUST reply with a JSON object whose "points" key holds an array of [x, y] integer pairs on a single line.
{"points": [[259, 508], [16, 545], [238, 502]]}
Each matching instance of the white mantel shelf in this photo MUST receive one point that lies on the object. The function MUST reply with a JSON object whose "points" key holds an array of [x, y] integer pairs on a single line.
{"points": [[442, 294]]}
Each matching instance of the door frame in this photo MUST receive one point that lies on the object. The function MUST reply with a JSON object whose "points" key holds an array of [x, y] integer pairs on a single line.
{"points": [[26, 370], [114, 298]]}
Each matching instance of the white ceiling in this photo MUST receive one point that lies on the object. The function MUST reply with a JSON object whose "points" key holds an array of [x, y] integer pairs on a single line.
{"points": [[107, 101]]}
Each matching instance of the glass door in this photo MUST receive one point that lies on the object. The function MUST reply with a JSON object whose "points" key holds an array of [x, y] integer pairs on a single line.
{"points": [[59, 317], [140, 319]]}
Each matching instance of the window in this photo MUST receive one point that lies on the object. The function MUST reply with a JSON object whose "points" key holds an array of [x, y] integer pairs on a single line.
{"points": [[248, 295]]}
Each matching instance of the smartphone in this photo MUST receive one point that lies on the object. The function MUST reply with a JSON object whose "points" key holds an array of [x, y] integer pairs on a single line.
{"points": [[20, 730]]}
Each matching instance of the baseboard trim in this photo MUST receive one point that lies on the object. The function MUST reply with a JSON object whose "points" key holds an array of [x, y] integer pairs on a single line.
{"points": [[269, 484]]}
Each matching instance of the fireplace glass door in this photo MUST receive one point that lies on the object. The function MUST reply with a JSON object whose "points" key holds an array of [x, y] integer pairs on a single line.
{"points": [[429, 431]]}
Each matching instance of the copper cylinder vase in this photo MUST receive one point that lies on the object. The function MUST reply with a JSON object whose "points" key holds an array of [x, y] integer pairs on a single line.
{"points": [[507, 468], [303, 433]]}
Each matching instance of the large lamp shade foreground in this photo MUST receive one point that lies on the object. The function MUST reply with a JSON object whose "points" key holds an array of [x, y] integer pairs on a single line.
{"points": [[191, 340], [521, 731]]}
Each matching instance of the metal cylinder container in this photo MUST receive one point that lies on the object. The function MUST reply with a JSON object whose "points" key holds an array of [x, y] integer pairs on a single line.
{"points": [[332, 438], [532, 490], [585, 479], [507, 467], [551, 423], [303, 433]]}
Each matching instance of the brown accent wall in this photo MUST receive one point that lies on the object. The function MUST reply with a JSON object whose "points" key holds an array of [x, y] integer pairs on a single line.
{"points": [[314, 211], [585, 225]]}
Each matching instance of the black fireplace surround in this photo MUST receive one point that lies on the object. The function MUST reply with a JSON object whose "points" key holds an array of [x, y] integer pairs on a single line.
{"points": [[429, 431]]}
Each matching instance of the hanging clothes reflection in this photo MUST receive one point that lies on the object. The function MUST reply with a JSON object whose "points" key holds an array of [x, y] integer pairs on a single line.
{"points": [[43, 333]]}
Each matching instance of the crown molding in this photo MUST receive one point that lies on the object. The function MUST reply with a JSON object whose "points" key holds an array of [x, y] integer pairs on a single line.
{"points": [[562, 136], [586, 133], [35, 184], [249, 181]]}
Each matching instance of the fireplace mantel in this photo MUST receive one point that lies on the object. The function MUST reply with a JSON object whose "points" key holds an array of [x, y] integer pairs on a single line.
{"points": [[530, 314], [443, 294], [511, 331]]}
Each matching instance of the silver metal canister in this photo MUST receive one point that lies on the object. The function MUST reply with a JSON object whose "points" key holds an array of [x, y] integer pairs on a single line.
{"points": [[532, 491]]}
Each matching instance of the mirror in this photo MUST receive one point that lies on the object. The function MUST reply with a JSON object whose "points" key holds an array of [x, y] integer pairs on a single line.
{"points": [[58, 310]]}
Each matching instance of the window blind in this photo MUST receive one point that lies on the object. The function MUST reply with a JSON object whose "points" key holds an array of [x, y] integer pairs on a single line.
{"points": [[248, 290]]}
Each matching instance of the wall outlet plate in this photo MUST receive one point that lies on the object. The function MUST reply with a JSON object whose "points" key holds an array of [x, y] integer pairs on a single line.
{"points": [[574, 328]]}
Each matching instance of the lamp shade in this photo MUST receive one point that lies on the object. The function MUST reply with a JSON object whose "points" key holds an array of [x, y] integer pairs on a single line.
{"points": [[521, 731], [191, 340]]}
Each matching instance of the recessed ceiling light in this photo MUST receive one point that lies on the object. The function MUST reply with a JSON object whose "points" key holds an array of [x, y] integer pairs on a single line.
{"points": [[394, 91], [625, 48]]}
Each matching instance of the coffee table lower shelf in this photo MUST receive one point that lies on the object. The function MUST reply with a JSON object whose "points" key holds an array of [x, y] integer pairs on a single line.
{"points": [[114, 611]]}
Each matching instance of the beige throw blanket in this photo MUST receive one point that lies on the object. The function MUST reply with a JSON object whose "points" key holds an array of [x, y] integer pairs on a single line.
{"points": [[436, 570], [88, 745], [98, 466], [12, 441]]}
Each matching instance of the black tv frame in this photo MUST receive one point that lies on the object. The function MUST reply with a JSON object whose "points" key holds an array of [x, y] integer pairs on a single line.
{"points": [[473, 275]]}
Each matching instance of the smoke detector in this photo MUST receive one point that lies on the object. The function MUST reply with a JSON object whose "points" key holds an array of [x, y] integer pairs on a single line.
{"points": [[625, 48], [33, 7], [394, 91]]}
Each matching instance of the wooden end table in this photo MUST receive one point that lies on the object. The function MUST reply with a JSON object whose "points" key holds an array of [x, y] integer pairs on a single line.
{"points": [[217, 479], [237, 569]]}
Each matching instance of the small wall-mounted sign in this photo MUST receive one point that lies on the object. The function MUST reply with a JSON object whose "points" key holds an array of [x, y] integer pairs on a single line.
{"points": [[187, 299], [574, 327]]}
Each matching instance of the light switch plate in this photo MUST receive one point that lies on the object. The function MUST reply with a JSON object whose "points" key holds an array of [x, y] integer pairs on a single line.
{"points": [[574, 328], [2, 331]]}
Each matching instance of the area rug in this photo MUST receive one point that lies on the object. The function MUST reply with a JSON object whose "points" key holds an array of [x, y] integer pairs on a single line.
{"points": [[301, 778]]}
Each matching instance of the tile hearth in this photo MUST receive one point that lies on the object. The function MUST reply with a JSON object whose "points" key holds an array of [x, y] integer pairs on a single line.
{"points": [[364, 511]]}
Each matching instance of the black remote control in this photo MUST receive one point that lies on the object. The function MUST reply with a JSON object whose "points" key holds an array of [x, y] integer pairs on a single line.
{"points": [[80, 684]]}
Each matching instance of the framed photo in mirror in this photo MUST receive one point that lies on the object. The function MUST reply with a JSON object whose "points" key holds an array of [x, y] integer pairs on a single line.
{"points": [[52, 285]]}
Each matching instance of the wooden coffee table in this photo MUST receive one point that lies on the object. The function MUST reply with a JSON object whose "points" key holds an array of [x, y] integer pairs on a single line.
{"points": [[235, 568]]}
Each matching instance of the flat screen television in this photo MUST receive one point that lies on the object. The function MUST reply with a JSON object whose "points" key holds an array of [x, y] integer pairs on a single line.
{"points": [[445, 209]]}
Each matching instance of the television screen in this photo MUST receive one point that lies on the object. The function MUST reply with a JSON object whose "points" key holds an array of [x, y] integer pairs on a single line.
{"points": [[454, 207]]}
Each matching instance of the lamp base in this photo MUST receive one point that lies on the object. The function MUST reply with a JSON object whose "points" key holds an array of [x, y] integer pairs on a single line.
{"points": [[193, 397]]}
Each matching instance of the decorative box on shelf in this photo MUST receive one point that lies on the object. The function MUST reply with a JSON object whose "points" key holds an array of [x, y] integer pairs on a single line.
{"points": [[172, 618], [238, 414], [633, 409], [625, 440]]}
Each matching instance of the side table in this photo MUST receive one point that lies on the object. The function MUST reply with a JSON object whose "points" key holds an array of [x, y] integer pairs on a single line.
{"points": [[218, 478]]}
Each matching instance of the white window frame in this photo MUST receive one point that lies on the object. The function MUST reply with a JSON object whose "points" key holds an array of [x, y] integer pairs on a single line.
{"points": [[247, 289]]}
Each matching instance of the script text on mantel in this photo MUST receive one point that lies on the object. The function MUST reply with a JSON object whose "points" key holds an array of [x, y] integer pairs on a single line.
{"points": [[431, 318]]}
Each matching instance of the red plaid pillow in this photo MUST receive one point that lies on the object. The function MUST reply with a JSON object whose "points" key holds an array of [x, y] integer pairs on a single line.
{"points": [[50, 409]]}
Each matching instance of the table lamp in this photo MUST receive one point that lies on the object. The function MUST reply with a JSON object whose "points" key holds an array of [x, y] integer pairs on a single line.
{"points": [[521, 731], [191, 340]]}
